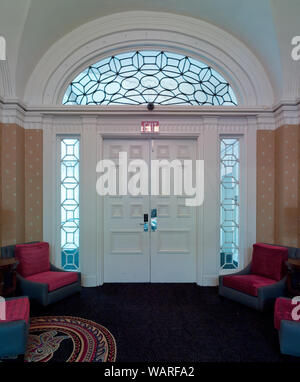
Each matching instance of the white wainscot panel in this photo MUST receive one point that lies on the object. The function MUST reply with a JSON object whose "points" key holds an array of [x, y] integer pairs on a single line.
{"points": [[117, 211], [183, 211], [126, 242], [173, 241], [114, 151], [163, 151], [184, 152], [136, 210], [136, 151], [163, 210]]}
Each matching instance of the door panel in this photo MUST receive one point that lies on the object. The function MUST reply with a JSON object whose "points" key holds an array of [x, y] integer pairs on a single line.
{"points": [[173, 244], [126, 245]]}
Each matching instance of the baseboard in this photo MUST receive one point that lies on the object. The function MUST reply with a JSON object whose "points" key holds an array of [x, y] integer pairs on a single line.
{"points": [[210, 280], [91, 281], [88, 281]]}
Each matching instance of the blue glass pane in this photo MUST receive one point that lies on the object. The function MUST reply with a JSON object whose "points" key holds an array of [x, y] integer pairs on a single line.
{"points": [[163, 78], [69, 207], [229, 203], [70, 259]]}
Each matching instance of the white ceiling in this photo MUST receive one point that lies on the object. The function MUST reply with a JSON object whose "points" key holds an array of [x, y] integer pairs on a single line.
{"points": [[265, 26]]}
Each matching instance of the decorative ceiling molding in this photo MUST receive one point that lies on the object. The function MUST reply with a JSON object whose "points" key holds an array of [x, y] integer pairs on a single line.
{"points": [[287, 114], [12, 112], [149, 30]]}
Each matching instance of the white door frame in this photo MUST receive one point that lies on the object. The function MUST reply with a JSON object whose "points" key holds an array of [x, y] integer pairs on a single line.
{"points": [[100, 203], [93, 128]]}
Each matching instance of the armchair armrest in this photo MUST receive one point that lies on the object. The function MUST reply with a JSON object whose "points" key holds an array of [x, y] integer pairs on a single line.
{"points": [[289, 337], [268, 294], [34, 290], [290, 326], [13, 338], [53, 268], [245, 271]]}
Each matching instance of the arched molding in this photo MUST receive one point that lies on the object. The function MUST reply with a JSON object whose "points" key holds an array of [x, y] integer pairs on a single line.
{"points": [[149, 30]]}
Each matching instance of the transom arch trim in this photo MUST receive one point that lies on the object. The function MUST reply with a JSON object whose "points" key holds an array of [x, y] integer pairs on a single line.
{"points": [[129, 31]]}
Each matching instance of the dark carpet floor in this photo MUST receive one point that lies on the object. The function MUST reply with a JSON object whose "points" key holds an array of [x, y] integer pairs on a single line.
{"points": [[175, 323]]}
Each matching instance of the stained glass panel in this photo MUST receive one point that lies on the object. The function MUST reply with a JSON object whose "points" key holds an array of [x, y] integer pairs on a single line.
{"points": [[163, 78], [230, 202], [69, 203]]}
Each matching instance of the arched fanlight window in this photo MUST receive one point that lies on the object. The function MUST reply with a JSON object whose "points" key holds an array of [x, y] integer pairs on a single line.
{"points": [[136, 78]]}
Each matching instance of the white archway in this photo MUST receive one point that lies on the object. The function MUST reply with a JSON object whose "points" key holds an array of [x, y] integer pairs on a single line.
{"points": [[149, 30]]}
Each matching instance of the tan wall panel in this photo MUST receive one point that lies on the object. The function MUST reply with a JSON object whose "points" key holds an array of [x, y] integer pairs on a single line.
{"points": [[278, 194], [9, 183], [265, 228], [21, 184], [286, 223], [33, 185]]}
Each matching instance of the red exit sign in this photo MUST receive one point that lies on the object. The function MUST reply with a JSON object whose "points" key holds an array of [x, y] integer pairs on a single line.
{"points": [[150, 127]]}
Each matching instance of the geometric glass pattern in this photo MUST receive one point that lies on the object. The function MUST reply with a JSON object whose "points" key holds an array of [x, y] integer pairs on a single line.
{"points": [[136, 78], [69, 203], [229, 203]]}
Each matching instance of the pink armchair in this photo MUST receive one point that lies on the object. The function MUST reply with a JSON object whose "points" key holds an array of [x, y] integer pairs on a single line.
{"points": [[261, 282], [40, 280]]}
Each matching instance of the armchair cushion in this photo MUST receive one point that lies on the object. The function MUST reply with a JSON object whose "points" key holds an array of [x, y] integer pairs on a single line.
{"points": [[248, 284], [283, 311], [33, 258], [54, 280], [268, 261], [17, 309]]}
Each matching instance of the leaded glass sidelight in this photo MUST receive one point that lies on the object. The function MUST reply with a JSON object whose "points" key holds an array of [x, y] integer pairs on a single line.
{"points": [[69, 203], [163, 78], [229, 202]]}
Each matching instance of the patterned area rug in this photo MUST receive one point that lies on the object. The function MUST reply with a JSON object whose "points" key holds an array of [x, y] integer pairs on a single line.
{"points": [[69, 339]]}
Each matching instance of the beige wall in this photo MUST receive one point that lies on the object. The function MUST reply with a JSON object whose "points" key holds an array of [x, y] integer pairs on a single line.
{"points": [[287, 167], [12, 184], [18, 165], [33, 185], [278, 167], [20, 184], [265, 228]]}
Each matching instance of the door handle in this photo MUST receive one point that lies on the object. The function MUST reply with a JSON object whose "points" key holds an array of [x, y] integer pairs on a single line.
{"points": [[153, 219], [145, 224]]}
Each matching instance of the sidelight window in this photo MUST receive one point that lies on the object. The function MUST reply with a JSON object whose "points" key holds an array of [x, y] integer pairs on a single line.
{"points": [[69, 202], [229, 202]]}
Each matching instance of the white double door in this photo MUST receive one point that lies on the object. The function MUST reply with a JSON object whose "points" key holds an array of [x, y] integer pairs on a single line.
{"points": [[167, 254]]}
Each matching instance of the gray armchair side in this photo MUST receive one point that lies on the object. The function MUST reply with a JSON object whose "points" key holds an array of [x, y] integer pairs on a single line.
{"points": [[266, 295], [38, 292], [14, 333], [289, 337]]}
